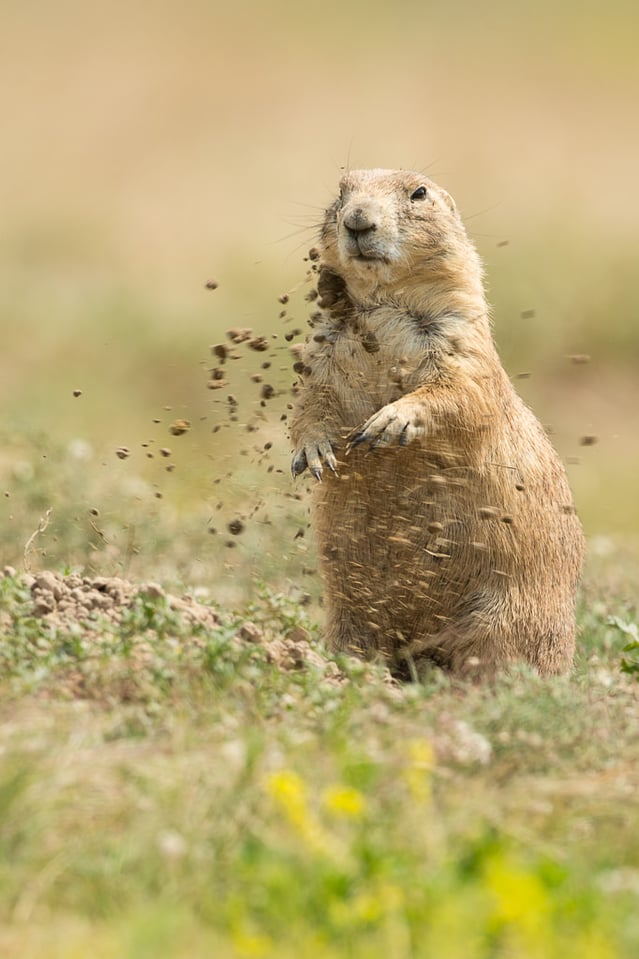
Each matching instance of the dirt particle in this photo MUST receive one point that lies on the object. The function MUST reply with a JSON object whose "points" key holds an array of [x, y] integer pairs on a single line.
{"points": [[488, 512], [122, 452], [258, 343], [588, 440], [77, 393], [251, 633], [314, 253], [179, 427], [370, 342], [221, 351], [528, 314], [152, 591], [284, 298], [211, 285], [235, 527], [47, 582], [165, 451], [239, 334]]}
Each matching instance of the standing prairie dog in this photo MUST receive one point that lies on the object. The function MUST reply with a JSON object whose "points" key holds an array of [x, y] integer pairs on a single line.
{"points": [[445, 523]]}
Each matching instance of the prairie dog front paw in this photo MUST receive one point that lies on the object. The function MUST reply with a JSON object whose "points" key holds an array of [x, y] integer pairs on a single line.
{"points": [[398, 423]]}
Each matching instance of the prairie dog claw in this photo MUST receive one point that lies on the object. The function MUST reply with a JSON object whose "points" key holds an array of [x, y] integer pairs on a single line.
{"points": [[399, 423], [314, 456]]}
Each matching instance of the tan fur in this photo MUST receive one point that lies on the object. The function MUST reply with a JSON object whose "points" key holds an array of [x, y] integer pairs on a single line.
{"points": [[445, 522]]}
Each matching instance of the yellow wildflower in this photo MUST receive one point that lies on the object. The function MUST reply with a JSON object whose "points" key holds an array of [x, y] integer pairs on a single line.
{"points": [[289, 791], [521, 905], [344, 802]]}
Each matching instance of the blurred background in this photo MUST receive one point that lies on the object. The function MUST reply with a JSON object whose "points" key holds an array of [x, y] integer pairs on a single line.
{"points": [[150, 148]]}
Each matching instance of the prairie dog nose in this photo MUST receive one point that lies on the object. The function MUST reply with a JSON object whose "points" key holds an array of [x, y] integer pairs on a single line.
{"points": [[359, 219]]}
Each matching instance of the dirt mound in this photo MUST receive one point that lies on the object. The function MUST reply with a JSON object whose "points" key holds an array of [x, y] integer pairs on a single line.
{"points": [[74, 598], [99, 606]]}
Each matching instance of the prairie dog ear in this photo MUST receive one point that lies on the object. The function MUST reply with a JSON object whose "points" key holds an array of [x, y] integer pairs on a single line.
{"points": [[448, 200], [330, 287]]}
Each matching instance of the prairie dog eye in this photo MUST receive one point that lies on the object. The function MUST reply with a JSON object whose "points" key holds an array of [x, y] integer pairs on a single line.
{"points": [[419, 194]]}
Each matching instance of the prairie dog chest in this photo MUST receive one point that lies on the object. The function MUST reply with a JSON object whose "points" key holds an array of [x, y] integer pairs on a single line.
{"points": [[371, 359]]}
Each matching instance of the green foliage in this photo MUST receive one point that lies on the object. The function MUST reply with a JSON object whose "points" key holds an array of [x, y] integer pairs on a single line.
{"points": [[279, 610], [630, 664]]}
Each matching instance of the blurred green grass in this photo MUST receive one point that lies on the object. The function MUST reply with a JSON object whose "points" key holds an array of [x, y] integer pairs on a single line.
{"points": [[169, 790], [147, 151]]}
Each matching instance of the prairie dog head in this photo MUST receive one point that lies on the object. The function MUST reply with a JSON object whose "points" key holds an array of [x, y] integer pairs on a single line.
{"points": [[390, 231]]}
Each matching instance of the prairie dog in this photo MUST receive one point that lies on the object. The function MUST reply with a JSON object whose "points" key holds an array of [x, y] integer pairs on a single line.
{"points": [[445, 523]]}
